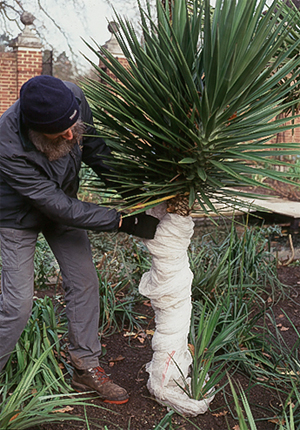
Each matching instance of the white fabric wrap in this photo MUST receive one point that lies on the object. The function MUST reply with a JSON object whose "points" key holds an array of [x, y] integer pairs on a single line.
{"points": [[168, 286]]}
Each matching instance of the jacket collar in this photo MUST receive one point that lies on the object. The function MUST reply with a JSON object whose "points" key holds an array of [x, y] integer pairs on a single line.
{"points": [[23, 133]]}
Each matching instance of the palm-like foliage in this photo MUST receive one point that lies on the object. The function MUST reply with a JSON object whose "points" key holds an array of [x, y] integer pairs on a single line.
{"points": [[192, 113]]}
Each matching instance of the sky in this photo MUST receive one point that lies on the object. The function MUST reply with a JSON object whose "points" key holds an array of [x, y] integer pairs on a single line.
{"points": [[80, 20]]}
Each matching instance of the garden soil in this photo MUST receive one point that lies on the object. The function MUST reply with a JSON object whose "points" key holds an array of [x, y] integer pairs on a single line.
{"points": [[125, 359]]}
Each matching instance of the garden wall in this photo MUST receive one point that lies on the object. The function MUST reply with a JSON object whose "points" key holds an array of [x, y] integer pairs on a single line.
{"points": [[17, 66]]}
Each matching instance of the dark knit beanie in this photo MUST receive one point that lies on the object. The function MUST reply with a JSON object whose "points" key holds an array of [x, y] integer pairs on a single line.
{"points": [[47, 105]]}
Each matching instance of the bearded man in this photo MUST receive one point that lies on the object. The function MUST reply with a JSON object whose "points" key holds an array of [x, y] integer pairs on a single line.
{"points": [[41, 148]]}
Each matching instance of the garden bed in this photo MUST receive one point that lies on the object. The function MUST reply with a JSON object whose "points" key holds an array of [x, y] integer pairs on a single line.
{"points": [[120, 261], [128, 351], [125, 361]]}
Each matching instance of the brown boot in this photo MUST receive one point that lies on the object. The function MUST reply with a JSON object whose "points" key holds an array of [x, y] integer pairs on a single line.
{"points": [[95, 379]]}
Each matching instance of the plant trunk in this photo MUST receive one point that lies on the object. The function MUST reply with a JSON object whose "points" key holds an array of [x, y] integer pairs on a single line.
{"points": [[168, 285]]}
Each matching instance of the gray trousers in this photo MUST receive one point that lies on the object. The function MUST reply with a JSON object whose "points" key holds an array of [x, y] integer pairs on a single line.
{"points": [[72, 250]]}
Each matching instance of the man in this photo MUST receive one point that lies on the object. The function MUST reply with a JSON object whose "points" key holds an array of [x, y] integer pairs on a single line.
{"points": [[41, 149]]}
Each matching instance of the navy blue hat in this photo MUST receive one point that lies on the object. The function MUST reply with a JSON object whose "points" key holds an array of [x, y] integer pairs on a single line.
{"points": [[48, 105]]}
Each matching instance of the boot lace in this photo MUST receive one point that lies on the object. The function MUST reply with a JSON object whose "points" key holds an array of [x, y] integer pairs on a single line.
{"points": [[101, 375]]}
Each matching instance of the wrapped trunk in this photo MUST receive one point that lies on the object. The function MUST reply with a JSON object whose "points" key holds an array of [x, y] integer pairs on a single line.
{"points": [[168, 286]]}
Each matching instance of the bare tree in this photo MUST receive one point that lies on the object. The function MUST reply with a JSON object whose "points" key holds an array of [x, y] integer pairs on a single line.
{"points": [[63, 68], [11, 12]]}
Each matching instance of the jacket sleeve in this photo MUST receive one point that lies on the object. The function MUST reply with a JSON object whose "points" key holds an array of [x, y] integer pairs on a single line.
{"points": [[44, 194]]}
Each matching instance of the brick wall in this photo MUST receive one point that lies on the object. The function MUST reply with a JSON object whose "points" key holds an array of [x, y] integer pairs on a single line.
{"points": [[29, 63], [16, 67], [290, 135], [287, 137], [121, 60], [8, 80]]}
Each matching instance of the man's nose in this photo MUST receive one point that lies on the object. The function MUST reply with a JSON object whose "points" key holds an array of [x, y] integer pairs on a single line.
{"points": [[68, 135]]}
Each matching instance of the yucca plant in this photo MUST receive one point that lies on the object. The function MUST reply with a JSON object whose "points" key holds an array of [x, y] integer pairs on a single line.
{"points": [[192, 114], [188, 121]]}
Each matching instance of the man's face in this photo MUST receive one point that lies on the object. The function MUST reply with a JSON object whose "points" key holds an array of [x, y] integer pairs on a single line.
{"points": [[57, 145], [64, 135]]}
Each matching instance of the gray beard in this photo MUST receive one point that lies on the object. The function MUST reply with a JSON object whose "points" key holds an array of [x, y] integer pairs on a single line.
{"points": [[58, 147]]}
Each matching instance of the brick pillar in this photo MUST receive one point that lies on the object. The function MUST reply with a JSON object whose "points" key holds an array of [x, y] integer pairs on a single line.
{"points": [[8, 80], [29, 64], [20, 64], [113, 47], [27, 48]]}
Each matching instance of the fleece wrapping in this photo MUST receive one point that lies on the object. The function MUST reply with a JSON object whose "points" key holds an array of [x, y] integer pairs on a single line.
{"points": [[168, 286]]}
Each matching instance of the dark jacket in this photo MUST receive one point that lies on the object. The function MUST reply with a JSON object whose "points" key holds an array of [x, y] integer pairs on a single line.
{"points": [[34, 190]]}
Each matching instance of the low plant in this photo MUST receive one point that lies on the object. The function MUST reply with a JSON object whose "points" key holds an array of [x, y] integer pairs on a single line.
{"points": [[45, 265], [209, 335], [166, 422], [242, 262], [241, 419], [28, 406], [116, 308], [42, 333], [251, 262], [254, 350], [120, 256], [286, 358], [210, 274], [247, 422], [292, 405]]}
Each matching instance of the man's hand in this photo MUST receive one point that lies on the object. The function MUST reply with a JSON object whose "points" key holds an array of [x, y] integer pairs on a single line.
{"points": [[141, 225]]}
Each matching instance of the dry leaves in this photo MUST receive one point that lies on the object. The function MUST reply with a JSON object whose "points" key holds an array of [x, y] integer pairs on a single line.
{"points": [[147, 303], [266, 355], [14, 417], [282, 328], [221, 414], [277, 421], [130, 333], [192, 349], [64, 410], [112, 361], [140, 335]]}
